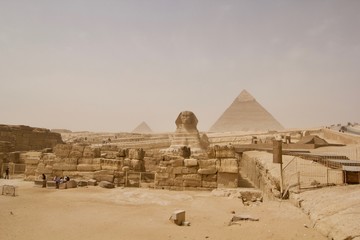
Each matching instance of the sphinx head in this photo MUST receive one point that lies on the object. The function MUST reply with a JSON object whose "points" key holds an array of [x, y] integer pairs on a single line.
{"points": [[186, 121]]}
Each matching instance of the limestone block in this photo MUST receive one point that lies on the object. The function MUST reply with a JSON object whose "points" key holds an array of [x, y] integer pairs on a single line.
{"points": [[137, 165], [121, 153], [178, 217], [206, 184], [76, 174], [191, 183], [162, 175], [65, 167], [190, 162], [196, 177], [127, 162], [106, 184], [82, 183], [138, 153], [208, 163], [177, 162], [71, 184], [125, 169], [89, 161], [92, 182], [224, 151], [41, 168], [48, 157], [62, 150], [76, 151], [108, 178], [207, 171], [209, 178], [109, 147], [32, 161], [30, 169], [109, 154], [164, 182], [62, 186], [88, 167], [178, 182], [164, 169], [90, 152], [50, 184], [227, 180], [189, 170], [177, 170], [71, 160], [229, 165]]}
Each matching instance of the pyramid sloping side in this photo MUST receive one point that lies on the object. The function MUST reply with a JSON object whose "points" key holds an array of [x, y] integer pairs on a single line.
{"points": [[142, 128], [245, 116]]}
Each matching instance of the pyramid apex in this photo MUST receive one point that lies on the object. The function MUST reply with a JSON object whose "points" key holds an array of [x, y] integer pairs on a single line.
{"points": [[142, 128], [244, 96]]}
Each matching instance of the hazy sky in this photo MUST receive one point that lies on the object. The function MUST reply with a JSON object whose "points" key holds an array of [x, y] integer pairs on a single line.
{"points": [[109, 65]]}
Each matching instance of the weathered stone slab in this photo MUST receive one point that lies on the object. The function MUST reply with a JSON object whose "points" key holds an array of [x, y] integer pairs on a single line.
{"points": [[92, 182], [138, 153], [106, 184], [190, 162], [192, 183], [50, 184], [207, 171], [162, 175], [196, 177], [224, 151], [178, 217], [65, 167], [76, 151], [227, 180], [90, 152], [208, 163], [229, 165], [62, 150], [177, 162], [209, 184], [71, 184]]}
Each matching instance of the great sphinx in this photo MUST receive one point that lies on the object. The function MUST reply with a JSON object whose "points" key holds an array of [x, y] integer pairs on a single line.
{"points": [[187, 134]]}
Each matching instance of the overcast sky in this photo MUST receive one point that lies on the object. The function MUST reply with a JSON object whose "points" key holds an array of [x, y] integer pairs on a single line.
{"points": [[109, 65]]}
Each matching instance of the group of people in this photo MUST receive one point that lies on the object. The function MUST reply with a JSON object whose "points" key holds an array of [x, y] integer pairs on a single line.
{"points": [[59, 180]]}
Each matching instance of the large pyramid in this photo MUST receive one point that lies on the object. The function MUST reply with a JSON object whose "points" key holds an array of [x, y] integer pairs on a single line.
{"points": [[245, 114], [142, 128]]}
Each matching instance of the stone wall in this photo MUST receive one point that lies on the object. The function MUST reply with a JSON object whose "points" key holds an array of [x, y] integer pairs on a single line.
{"points": [[117, 165], [25, 138], [82, 162], [221, 170]]}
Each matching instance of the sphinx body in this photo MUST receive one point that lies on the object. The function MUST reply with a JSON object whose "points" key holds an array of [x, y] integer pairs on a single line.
{"points": [[187, 135]]}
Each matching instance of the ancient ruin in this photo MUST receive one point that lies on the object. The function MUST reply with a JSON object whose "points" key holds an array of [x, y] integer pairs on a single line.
{"points": [[245, 114], [143, 127]]}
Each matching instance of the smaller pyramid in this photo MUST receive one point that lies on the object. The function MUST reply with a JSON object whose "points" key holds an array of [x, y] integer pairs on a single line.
{"points": [[245, 114], [142, 128]]}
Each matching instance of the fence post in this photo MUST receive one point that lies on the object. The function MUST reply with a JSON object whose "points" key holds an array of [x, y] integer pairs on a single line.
{"points": [[327, 177], [298, 177], [140, 180], [126, 178]]}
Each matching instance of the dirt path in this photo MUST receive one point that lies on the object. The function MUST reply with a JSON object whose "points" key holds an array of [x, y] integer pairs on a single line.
{"points": [[97, 213]]}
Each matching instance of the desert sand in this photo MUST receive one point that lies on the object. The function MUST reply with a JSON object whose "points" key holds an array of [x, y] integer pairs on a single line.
{"points": [[133, 213]]}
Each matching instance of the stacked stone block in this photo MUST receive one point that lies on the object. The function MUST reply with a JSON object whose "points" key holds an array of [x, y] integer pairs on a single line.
{"points": [[178, 173], [83, 162]]}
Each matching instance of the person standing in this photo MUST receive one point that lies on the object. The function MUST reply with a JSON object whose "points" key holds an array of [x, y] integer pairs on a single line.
{"points": [[44, 180], [7, 171]]}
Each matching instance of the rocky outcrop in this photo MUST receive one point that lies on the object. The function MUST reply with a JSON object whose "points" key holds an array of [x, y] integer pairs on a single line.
{"points": [[24, 138]]}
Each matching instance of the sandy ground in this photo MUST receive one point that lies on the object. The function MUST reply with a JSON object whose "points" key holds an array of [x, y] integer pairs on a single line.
{"points": [[131, 213]]}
